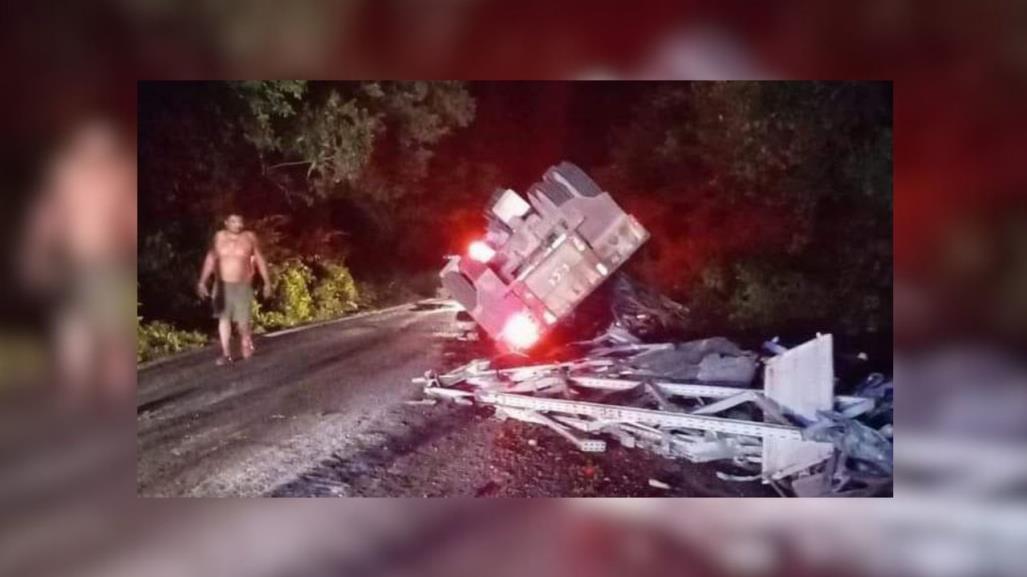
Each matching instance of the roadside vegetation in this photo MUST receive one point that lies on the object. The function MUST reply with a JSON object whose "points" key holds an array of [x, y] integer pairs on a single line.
{"points": [[157, 339], [301, 293]]}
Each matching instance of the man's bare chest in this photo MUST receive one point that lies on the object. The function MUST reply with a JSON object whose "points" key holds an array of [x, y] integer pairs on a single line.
{"points": [[238, 246]]}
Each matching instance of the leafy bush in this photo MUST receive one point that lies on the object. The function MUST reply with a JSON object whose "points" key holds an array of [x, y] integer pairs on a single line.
{"points": [[335, 291], [158, 338], [264, 319], [303, 293], [291, 302]]}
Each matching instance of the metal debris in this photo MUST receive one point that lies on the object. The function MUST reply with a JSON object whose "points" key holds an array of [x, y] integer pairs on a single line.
{"points": [[657, 484], [642, 312], [424, 402], [702, 401], [739, 478]]}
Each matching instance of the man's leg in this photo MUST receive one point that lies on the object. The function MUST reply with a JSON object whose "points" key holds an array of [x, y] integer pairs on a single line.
{"points": [[75, 358], [119, 371], [221, 313], [225, 332], [246, 337], [241, 310]]}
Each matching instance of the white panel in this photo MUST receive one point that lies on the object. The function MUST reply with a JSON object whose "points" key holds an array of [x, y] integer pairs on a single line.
{"points": [[510, 205], [802, 381]]}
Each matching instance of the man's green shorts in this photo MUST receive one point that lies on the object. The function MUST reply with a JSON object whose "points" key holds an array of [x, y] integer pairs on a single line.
{"points": [[233, 301]]}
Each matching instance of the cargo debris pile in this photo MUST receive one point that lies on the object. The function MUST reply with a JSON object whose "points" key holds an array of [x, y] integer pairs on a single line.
{"points": [[694, 400], [703, 400]]}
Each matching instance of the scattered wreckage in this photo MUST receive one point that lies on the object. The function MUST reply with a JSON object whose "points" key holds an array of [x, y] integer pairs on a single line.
{"points": [[694, 400], [703, 400]]}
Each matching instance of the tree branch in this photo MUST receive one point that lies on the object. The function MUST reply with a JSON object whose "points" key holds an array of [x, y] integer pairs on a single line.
{"points": [[284, 164]]}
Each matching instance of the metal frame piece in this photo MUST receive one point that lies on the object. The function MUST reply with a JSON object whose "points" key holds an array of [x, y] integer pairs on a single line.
{"points": [[643, 416]]}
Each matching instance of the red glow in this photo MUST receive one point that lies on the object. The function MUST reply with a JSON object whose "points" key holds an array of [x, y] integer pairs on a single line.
{"points": [[480, 251], [520, 332]]}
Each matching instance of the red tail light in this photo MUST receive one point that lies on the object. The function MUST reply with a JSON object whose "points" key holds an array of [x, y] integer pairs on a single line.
{"points": [[480, 251], [520, 332]]}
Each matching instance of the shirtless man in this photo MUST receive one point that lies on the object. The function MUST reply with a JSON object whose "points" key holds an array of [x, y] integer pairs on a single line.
{"points": [[234, 252], [79, 249]]}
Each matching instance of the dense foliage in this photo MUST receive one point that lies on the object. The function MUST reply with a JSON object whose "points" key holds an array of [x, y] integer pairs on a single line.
{"points": [[769, 203]]}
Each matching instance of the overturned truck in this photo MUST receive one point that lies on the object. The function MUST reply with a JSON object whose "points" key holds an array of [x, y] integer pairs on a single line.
{"points": [[541, 257], [701, 400]]}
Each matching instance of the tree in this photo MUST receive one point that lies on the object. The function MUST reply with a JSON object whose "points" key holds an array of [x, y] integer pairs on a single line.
{"points": [[328, 134], [733, 176]]}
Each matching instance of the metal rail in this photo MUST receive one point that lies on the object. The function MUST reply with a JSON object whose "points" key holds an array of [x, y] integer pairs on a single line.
{"points": [[644, 416]]}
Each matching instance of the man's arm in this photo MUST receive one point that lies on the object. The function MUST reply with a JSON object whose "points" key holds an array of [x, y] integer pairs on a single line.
{"points": [[40, 241], [206, 273], [258, 257]]}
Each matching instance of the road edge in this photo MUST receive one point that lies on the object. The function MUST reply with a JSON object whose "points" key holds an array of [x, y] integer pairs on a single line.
{"points": [[296, 329]]}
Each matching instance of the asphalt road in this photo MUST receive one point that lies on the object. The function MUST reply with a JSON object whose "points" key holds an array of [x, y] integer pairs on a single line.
{"points": [[245, 428], [324, 411]]}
